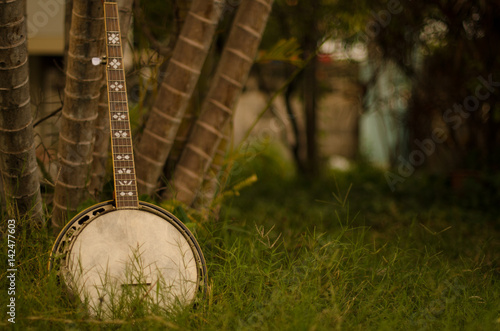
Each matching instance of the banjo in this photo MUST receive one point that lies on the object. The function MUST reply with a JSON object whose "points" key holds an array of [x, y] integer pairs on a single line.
{"points": [[123, 250]]}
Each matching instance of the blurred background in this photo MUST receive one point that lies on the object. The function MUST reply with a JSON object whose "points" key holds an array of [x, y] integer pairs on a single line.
{"points": [[405, 85]]}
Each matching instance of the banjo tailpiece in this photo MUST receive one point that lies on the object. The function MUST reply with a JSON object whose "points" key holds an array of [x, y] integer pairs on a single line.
{"points": [[117, 254]]}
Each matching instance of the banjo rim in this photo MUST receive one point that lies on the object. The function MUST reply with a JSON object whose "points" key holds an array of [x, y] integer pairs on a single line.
{"points": [[144, 206]]}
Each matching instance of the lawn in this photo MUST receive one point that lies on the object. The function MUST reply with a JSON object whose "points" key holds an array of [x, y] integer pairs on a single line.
{"points": [[342, 252]]}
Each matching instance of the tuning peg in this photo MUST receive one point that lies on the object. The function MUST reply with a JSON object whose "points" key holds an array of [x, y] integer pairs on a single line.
{"points": [[98, 60]]}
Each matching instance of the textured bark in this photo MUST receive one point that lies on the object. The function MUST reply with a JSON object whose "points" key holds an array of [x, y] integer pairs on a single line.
{"points": [[76, 136], [18, 164], [236, 60], [176, 89], [68, 10], [101, 146], [100, 154], [190, 116], [215, 178], [180, 140]]}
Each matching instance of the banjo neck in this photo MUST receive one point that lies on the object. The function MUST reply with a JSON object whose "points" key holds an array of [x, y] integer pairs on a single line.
{"points": [[125, 184]]}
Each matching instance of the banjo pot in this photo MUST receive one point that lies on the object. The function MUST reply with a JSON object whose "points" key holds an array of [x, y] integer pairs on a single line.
{"points": [[105, 255], [119, 253]]}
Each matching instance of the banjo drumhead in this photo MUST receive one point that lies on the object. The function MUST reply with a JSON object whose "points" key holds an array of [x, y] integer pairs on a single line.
{"points": [[132, 250]]}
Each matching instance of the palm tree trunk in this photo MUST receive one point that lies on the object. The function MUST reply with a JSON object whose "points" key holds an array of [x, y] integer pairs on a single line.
{"points": [[81, 95], [215, 178], [68, 9], [18, 164], [176, 89], [231, 74], [101, 147]]}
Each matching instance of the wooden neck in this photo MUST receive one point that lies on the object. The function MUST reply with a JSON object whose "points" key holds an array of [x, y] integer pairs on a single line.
{"points": [[121, 139]]}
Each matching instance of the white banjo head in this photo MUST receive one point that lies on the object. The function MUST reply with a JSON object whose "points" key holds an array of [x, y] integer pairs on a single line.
{"points": [[127, 253]]}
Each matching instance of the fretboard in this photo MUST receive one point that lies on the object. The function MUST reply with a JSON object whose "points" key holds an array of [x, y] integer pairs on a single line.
{"points": [[121, 139]]}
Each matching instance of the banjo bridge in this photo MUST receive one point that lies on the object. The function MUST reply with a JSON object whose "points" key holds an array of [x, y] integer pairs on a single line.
{"points": [[136, 284]]}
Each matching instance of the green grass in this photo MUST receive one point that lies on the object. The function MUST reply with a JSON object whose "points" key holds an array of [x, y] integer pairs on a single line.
{"points": [[343, 252]]}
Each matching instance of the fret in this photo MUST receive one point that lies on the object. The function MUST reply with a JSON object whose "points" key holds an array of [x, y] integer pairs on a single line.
{"points": [[119, 121], [120, 126], [130, 177], [122, 164], [116, 75], [114, 51], [121, 141], [124, 151], [118, 106], [126, 177], [122, 145], [120, 97]]}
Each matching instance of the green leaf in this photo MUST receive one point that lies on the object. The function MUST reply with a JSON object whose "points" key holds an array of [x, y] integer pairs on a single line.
{"points": [[285, 50]]}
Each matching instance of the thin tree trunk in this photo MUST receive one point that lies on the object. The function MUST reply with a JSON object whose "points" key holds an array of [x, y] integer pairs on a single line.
{"points": [[176, 89], [100, 154], [180, 140], [68, 10], [310, 82], [215, 180], [101, 147], [18, 164], [296, 145], [310, 90], [81, 95], [190, 116], [236, 60]]}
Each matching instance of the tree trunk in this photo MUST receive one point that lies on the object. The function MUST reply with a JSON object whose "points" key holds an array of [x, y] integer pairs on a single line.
{"points": [[190, 116], [296, 145], [232, 72], [3, 202], [68, 10], [81, 95], [215, 178], [176, 89], [310, 87], [18, 164], [101, 147]]}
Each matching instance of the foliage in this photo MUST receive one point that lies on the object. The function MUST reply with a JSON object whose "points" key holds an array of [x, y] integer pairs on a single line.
{"points": [[445, 47], [283, 51], [155, 23]]}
